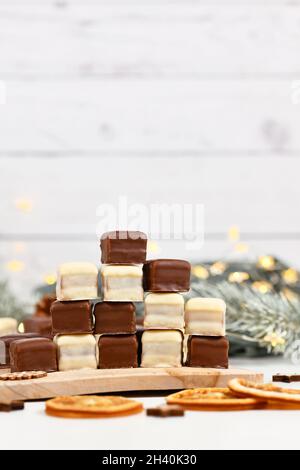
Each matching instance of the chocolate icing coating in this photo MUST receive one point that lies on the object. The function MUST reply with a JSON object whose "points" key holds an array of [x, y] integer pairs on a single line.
{"points": [[40, 325], [8, 340], [72, 317], [208, 351], [118, 351], [114, 318], [166, 275], [33, 354], [12, 406], [123, 247]]}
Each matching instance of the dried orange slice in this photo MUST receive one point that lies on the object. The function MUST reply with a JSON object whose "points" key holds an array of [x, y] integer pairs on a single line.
{"points": [[268, 392], [213, 399], [91, 406]]}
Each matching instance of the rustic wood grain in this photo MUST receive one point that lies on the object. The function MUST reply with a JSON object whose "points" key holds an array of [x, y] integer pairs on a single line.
{"points": [[260, 195], [60, 39], [149, 118], [119, 380]]}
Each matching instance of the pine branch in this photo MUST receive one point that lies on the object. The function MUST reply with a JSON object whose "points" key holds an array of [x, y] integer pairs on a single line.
{"points": [[9, 306]]}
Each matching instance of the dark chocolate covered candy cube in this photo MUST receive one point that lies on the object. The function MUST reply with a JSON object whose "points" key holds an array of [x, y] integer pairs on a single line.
{"points": [[166, 275], [6, 341], [207, 351], [33, 354], [123, 247], [72, 317], [118, 351], [114, 318], [40, 325]]}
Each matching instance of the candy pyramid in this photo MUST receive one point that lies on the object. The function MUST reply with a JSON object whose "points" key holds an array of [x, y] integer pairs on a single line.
{"points": [[93, 333]]}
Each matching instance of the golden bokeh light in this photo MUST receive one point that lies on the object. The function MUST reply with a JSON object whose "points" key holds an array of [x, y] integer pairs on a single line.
{"points": [[152, 247], [200, 271], [217, 268], [238, 277], [289, 294], [50, 279], [24, 204], [266, 262], [262, 286], [290, 276], [274, 339], [15, 265], [241, 248], [234, 233]]}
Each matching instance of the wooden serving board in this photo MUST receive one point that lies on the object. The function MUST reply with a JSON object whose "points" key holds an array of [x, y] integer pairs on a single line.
{"points": [[87, 381]]}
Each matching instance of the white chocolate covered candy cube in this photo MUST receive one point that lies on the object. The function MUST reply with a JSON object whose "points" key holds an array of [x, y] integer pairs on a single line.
{"points": [[76, 352], [122, 283], [205, 317], [8, 326], [161, 348], [77, 281], [164, 311]]}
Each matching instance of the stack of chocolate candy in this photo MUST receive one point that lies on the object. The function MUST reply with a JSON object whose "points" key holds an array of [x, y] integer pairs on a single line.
{"points": [[162, 343], [123, 256], [103, 334], [72, 318], [205, 342]]}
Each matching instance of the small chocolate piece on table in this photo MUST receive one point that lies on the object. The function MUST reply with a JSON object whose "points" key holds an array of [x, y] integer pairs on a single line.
{"points": [[123, 247], [12, 406], [165, 411], [118, 351], [71, 317], [207, 351], [34, 354], [114, 318], [286, 378], [167, 275], [42, 326], [17, 405]]}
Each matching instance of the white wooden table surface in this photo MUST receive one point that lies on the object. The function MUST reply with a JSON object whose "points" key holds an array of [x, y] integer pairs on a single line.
{"points": [[257, 429]]}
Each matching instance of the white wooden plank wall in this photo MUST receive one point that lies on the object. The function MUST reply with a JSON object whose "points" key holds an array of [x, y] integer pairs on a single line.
{"points": [[160, 101]]}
